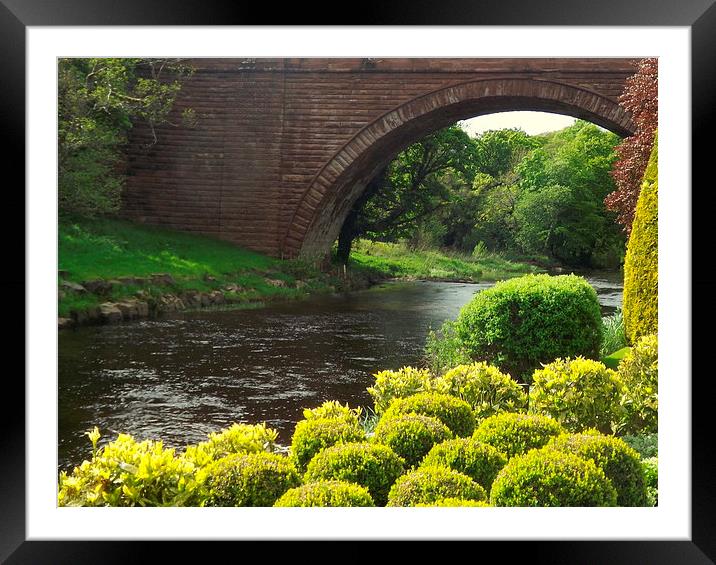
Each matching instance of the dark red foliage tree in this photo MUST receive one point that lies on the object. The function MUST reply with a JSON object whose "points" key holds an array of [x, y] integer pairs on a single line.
{"points": [[640, 97]]}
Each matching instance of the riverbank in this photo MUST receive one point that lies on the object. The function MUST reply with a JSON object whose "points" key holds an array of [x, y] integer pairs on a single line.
{"points": [[395, 260], [113, 270]]}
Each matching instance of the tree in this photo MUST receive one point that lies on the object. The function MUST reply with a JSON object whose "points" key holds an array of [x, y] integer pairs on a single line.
{"points": [[410, 188], [640, 97], [98, 100]]}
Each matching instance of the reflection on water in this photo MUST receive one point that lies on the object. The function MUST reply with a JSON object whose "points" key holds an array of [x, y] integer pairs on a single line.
{"points": [[179, 378]]}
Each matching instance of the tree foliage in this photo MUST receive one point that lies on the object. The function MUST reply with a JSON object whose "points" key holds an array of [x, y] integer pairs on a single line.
{"points": [[640, 97], [98, 100]]}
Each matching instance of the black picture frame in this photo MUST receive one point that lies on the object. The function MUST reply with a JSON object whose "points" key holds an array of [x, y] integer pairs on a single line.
{"points": [[698, 15]]}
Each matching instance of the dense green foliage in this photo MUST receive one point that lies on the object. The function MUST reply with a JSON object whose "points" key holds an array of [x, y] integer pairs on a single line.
{"points": [[253, 479], [129, 473], [374, 466], [430, 484], [456, 414], [326, 493], [639, 371], [578, 393], [411, 436], [501, 191], [521, 323], [397, 384], [641, 265], [333, 409], [315, 434], [453, 502], [238, 438], [650, 468], [484, 387], [513, 434], [620, 463], [646, 445], [98, 99], [548, 477], [477, 460]]}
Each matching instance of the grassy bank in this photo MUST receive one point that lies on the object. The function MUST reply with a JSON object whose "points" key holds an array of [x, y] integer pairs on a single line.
{"points": [[396, 260], [119, 251]]}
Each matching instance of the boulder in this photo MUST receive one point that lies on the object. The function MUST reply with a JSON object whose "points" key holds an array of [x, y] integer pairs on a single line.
{"points": [[161, 278], [98, 286], [277, 282], [65, 323], [110, 313], [73, 287], [217, 297]]}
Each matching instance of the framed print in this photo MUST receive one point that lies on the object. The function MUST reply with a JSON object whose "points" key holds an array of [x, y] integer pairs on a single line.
{"points": [[306, 200]]}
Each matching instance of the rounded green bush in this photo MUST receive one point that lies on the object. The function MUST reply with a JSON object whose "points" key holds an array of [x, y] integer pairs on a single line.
{"points": [[579, 393], [549, 477], [310, 436], [455, 502], [334, 410], [253, 479], [620, 463], [641, 263], [397, 384], [326, 493], [477, 460], [456, 414], [484, 387], [513, 434], [430, 484], [520, 323], [639, 371], [411, 436], [373, 466]]}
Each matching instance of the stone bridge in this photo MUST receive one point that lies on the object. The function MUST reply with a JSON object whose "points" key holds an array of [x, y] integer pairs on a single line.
{"points": [[281, 148]]}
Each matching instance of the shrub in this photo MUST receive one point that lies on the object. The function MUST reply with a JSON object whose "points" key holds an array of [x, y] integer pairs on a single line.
{"points": [[326, 493], [548, 477], [646, 445], [641, 264], [454, 502], [620, 463], [523, 322], [252, 479], [397, 384], [333, 409], [513, 434], [479, 461], [639, 371], [127, 473], [429, 484], [310, 436], [374, 466], [238, 438], [411, 436], [456, 414], [578, 393], [484, 387], [443, 349], [650, 467]]}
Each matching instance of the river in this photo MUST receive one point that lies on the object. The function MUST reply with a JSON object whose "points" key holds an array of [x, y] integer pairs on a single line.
{"points": [[177, 378]]}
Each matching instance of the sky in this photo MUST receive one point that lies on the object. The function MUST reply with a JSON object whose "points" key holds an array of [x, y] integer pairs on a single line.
{"points": [[530, 122]]}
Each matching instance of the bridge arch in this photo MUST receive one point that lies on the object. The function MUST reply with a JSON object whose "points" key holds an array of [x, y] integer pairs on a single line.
{"points": [[336, 186]]}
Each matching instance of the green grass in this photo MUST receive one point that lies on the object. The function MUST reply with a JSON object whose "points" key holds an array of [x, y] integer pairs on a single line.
{"points": [[396, 260], [612, 360], [109, 249]]}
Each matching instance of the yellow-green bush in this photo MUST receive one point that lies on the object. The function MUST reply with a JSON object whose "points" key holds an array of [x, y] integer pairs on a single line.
{"points": [[397, 384], [578, 393], [477, 460], [641, 264], [455, 413], [639, 371], [327, 494], [411, 436], [430, 484], [513, 434], [333, 409], [620, 463], [548, 477], [252, 479], [452, 502], [488, 390], [238, 438], [315, 434]]}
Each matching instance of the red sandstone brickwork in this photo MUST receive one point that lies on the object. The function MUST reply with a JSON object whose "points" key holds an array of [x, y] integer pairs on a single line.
{"points": [[282, 147]]}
